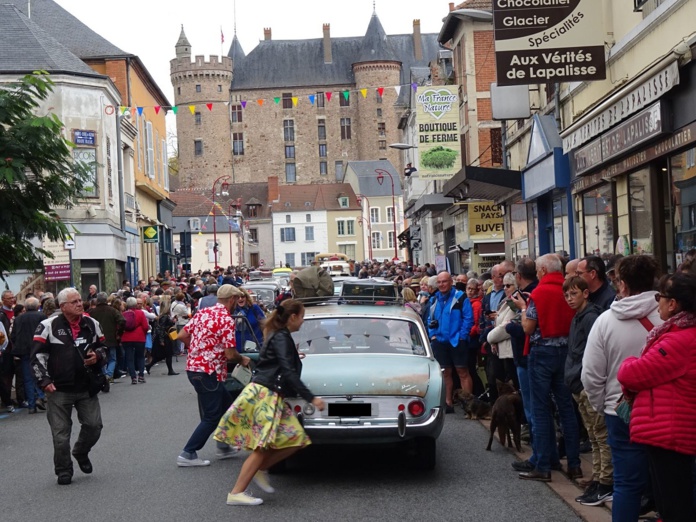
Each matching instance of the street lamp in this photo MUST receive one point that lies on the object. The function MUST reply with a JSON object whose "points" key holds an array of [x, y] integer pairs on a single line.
{"points": [[380, 179], [224, 192], [239, 219], [360, 197]]}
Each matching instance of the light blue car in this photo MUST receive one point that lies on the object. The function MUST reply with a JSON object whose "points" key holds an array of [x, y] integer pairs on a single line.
{"points": [[374, 368]]}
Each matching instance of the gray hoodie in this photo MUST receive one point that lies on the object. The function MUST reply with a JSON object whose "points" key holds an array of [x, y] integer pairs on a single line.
{"points": [[616, 335]]}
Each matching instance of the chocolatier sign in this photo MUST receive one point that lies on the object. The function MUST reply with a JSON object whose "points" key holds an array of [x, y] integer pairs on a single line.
{"points": [[548, 41]]}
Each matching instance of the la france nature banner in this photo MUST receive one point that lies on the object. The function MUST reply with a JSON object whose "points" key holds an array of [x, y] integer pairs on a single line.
{"points": [[548, 41], [437, 122]]}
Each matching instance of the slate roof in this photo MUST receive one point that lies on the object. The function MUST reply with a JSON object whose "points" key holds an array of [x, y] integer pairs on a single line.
{"points": [[375, 45], [198, 202], [367, 178], [300, 63], [26, 47], [299, 198], [484, 5], [183, 41], [236, 52], [68, 30]]}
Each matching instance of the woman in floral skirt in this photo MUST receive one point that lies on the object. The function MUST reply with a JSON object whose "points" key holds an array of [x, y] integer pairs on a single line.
{"points": [[260, 420]]}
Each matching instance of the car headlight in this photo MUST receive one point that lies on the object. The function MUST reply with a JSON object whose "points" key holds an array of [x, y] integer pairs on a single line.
{"points": [[309, 409]]}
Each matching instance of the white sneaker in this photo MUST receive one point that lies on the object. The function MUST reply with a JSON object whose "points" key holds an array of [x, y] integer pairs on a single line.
{"points": [[189, 463], [242, 499], [261, 480], [227, 453]]}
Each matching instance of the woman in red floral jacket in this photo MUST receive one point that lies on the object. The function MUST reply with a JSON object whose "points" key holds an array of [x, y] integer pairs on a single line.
{"points": [[662, 385]]}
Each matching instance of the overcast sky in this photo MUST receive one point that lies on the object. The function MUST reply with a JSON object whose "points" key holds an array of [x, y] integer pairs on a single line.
{"points": [[150, 29]]}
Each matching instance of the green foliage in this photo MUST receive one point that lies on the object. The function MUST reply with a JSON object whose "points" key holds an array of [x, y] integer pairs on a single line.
{"points": [[439, 158], [37, 173]]}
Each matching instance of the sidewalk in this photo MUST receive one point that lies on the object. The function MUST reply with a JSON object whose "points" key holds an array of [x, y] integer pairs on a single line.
{"points": [[560, 484]]}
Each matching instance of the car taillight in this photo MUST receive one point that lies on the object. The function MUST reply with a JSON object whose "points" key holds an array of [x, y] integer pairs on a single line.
{"points": [[402, 407], [298, 408], [416, 408]]}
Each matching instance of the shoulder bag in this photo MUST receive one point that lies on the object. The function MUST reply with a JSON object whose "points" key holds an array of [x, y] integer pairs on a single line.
{"points": [[624, 406]]}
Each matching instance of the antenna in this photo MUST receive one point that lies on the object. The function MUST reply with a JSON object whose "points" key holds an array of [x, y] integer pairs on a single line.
{"points": [[234, 6], [374, 7]]}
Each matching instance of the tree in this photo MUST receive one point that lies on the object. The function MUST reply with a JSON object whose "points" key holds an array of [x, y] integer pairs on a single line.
{"points": [[37, 173]]}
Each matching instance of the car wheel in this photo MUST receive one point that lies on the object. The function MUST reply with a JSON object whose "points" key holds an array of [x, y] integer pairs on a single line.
{"points": [[425, 453]]}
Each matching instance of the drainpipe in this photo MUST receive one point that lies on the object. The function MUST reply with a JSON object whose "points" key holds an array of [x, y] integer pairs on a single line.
{"points": [[557, 105]]}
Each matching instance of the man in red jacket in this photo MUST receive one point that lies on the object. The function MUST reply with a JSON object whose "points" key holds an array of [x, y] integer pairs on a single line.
{"points": [[546, 318]]}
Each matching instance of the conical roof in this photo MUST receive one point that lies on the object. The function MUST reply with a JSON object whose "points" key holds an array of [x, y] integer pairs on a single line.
{"points": [[236, 52], [375, 45], [183, 41]]}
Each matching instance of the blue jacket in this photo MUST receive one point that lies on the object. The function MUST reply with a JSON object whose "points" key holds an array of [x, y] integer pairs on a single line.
{"points": [[454, 314]]}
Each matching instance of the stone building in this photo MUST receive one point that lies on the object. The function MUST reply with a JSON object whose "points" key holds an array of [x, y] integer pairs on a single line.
{"points": [[338, 100]]}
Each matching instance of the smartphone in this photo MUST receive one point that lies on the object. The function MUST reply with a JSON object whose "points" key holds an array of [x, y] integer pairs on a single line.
{"points": [[520, 295]]}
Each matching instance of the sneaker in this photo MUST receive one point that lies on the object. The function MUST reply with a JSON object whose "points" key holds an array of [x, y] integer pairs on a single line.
{"points": [[603, 494], [141, 379], [590, 490], [23, 404], [524, 465], [134, 381], [227, 453], [183, 462], [10, 409], [261, 480], [242, 499]]}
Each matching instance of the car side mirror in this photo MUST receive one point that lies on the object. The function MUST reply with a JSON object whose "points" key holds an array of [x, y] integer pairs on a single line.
{"points": [[250, 347]]}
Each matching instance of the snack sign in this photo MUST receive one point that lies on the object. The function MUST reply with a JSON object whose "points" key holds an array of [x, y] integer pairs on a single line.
{"points": [[548, 41], [437, 122]]}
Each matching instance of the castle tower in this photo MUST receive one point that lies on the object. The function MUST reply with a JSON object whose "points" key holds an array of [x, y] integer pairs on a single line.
{"points": [[377, 64], [205, 149]]}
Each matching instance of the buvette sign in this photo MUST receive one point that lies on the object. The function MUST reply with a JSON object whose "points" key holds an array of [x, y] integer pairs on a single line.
{"points": [[548, 41]]}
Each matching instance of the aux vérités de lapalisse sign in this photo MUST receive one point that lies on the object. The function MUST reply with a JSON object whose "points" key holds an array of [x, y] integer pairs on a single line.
{"points": [[548, 41]]}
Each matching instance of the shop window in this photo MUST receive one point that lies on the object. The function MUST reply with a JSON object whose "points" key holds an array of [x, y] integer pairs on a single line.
{"points": [[598, 214], [561, 224], [682, 204], [641, 215]]}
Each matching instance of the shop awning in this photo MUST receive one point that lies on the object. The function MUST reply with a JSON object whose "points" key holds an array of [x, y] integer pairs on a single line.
{"points": [[430, 202], [483, 183]]}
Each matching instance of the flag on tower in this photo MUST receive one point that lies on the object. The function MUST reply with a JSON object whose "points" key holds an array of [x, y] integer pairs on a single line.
{"points": [[222, 36]]}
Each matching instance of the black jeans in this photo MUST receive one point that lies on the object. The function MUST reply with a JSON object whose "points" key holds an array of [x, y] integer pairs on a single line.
{"points": [[673, 484], [59, 415]]}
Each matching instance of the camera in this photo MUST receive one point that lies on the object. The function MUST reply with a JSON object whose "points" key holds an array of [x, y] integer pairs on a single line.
{"points": [[434, 324]]}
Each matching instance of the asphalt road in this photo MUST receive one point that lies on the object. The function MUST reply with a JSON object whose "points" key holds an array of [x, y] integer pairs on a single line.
{"points": [[136, 479]]}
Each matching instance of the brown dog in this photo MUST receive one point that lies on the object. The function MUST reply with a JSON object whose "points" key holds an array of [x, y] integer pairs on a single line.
{"points": [[506, 416], [474, 408]]}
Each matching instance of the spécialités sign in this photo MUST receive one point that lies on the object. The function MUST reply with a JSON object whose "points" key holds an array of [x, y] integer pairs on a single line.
{"points": [[548, 41]]}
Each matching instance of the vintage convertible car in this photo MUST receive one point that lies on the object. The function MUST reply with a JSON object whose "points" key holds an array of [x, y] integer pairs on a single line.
{"points": [[374, 368]]}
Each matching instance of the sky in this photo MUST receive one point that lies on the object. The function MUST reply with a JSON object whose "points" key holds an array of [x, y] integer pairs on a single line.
{"points": [[150, 29]]}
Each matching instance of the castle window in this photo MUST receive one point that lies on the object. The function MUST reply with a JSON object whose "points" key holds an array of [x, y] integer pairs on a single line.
{"points": [[289, 151], [238, 143], [289, 130], [219, 88], [198, 87], [382, 144], [321, 127], [290, 173], [236, 114], [379, 113], [344, 101], [345, 128], [321, 100], [198, 118], [323, 168], [178, 90], [382, 129], [378, 97], [322, 150], [339, 171], [287, 100], [198, 147]]}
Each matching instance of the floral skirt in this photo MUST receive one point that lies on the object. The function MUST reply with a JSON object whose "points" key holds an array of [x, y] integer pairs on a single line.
{"points": [[260, 418]]}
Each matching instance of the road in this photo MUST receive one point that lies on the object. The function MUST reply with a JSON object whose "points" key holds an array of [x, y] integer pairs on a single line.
{"points": [[145, 426]]}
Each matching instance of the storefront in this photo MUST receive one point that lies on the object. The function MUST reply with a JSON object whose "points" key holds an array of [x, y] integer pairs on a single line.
{"points": [[635, 184]]}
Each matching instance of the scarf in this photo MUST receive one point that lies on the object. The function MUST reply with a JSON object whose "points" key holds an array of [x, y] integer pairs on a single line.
{"points": [[681, 320]]}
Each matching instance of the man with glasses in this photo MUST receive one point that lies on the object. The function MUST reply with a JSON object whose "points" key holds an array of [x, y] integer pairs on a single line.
{"points": [[593, 271], [65, 347], [491, 302]]}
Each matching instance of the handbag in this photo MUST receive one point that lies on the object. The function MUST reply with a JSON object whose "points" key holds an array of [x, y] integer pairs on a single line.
{"points": [[173, 334], [242, 374]]}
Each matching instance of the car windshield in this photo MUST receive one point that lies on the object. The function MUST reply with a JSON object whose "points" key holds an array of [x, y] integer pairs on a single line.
{"points": [[331, 335], [367, 291], [264, 295]]}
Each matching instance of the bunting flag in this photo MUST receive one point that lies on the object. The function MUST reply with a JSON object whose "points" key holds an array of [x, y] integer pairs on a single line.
{"points": [[276, 100], [311, 98], [260, 102], [175, 109], [363, 92], [295, 99], [140, 111], [192, 108], [414, 86], [328, 96], [122, 109], [380, 90], [346, 95], [210, 106], [133, 111], [157, 109], [243, 104], [227, 103], [397, 88]]}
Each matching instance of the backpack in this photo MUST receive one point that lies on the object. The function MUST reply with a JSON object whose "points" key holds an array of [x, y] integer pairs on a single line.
{"points": [[131, 320], [313, 281]]}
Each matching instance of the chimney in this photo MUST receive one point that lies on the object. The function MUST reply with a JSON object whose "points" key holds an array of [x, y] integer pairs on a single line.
{"points": [[417, 45], [451, 6], [273, 190], [266, 33], [328, 57]]}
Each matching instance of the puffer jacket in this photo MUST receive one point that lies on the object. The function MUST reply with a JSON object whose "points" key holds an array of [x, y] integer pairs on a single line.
{"points": [[664, 410], [616, 335]]}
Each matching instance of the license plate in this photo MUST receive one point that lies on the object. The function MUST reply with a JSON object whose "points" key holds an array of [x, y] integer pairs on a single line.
{"points": [[350, 409]]}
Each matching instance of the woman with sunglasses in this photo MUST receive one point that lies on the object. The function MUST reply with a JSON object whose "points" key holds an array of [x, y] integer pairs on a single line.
{"points": [[662, 386], [251, 328], [499, 337]]}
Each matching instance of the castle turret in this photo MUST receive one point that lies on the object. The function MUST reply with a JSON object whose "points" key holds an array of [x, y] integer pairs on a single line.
{"points": [[203, 137]]}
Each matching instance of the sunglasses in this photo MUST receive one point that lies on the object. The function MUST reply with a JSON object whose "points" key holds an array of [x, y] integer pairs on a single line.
{"points": [[509, 286], [662, 296]]}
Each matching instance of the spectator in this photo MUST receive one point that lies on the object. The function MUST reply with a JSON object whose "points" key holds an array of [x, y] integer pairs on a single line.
{"points": [[491, 301], [546, 319], [498, 337], [616, 335], [473, 293], [22, 336], [112, 323], [662, 386], [249, 327], [410, 300], [210, 298], [162, 344], [134, 341], [593, 270]]}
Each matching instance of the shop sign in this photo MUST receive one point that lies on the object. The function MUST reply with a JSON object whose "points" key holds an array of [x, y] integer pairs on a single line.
{"points": [[437, 121], [485, 221], [57, 272], [150, 234], [642, 127], [679, 139], [548, 41], [633, 101]]}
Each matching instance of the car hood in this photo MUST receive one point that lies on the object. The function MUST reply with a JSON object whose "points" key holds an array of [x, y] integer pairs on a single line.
{"points": [[367, 375]]}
